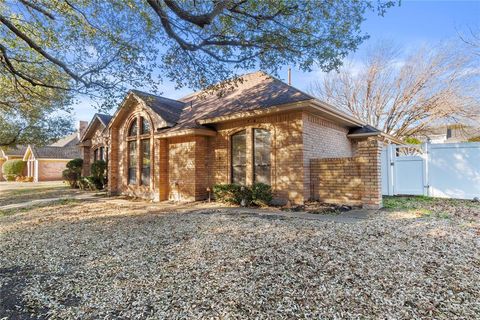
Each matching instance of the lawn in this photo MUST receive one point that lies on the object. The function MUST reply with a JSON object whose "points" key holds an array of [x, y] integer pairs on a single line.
{"points": [[111, 258], [18, 192]]}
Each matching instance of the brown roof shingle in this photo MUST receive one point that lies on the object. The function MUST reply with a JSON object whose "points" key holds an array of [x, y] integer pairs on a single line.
{"points": [[254, 91], [50, 152]]}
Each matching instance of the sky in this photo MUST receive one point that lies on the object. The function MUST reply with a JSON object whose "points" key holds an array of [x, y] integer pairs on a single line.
{"points": [[410, 25]]}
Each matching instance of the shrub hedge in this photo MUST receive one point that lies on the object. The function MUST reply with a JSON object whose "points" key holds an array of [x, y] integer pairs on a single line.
{"points": [[73, 173], [11, 169], [259, 194]]}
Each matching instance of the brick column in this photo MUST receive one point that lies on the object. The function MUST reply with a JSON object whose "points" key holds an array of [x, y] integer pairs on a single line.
{"points": [[86, 160], [113, 162], [201, 173], [369, 156], [163, 169]]}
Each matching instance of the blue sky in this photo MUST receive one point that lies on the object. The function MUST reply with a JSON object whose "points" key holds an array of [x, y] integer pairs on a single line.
{"points": [[413, 24]]}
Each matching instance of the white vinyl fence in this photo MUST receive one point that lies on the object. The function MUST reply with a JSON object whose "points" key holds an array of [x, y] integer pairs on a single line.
{"points": [[450, 170]]}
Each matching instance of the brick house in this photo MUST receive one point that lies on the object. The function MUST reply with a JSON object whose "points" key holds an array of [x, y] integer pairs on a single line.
{"points": [[47, 163], [262, 130], [94, 141]]}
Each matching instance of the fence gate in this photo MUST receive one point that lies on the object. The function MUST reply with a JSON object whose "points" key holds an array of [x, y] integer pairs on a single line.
{"points": [[404, 170], [449, 170]]}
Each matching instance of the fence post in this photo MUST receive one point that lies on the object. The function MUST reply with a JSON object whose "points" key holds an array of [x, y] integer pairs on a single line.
{"points": [[390, 173], [426, 178]]}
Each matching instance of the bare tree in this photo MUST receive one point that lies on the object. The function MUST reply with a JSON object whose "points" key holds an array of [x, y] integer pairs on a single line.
{"points": [[405, 94]]}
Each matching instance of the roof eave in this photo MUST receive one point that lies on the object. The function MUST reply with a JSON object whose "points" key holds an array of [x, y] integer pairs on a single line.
{"points": [[373, 134], [311, 105], [187, 132]]}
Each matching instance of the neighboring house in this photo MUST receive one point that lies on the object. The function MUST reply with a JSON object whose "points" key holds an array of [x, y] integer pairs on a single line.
{"points": [[10, 154], [263, 130], [94, 141], [453, 133], [47, 163]]}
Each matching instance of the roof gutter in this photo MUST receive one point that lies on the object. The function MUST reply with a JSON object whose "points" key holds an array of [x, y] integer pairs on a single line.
{"points": [[325, 107], [373, 134]]}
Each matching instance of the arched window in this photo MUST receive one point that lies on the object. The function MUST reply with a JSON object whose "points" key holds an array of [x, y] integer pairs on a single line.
{"points": [[261, 156], [132, 131], [239, 157], [145, 173], [139, 155], [132, 162], [145, 126]]}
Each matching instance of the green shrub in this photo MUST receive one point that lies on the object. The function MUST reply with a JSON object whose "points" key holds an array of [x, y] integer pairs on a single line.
{"points": [[13, 168], [88, 183], [73, 172], [228, 193], [10, 177], [99, 173], [75, 164], [261, 194]]}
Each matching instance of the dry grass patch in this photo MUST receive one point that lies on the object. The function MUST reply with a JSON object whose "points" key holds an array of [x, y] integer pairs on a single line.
{"points": [[114, 259]]}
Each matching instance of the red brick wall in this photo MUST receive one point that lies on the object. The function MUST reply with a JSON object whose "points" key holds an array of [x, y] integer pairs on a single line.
{"points": [[286, 153], [355, 180], [336, 180], [322, 139], [181, 168], [51, 170]]}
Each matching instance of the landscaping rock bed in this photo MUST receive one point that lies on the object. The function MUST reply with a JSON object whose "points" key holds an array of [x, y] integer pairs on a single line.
{"points": [[112, 259]]}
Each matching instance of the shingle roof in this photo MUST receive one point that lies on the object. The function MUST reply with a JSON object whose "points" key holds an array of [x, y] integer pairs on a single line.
{"points": [[17, 151], [169, 109], [51, 152], [104, 118], [254, 91], [67, 141]]}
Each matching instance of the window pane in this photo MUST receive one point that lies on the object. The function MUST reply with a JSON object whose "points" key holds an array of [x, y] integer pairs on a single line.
{"points": [[261, 157], [132, 131], [101, 157], [239, 158], [95, 155], [146, 162], [132, 162], [145, 126]]}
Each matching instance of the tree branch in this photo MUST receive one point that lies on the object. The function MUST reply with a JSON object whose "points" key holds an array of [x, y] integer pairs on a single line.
{"points": [[200, 20], [38, 8], [38, 49]]}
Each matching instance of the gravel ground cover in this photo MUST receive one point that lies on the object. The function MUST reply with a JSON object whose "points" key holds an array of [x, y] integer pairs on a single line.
{"points": [[110, 259]]}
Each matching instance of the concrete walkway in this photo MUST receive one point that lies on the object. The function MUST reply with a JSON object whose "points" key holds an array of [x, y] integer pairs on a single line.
{"points": [[32, 203]]}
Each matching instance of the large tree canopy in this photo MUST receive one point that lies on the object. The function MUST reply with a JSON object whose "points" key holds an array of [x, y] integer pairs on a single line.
{"points": [[101, 47], [405, 94]]}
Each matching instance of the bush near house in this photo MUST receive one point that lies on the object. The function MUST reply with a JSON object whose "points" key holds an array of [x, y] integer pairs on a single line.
{"points": [[11, 169], [259, 194], [99, 173], [73, 173], [98, 178]]}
